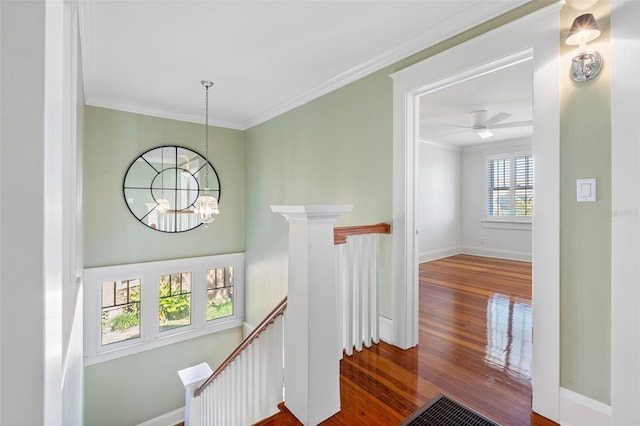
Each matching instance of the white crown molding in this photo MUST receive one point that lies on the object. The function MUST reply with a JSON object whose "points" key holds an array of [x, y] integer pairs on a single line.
{"points": [[171, 115], [471, 17], [402, 51]]}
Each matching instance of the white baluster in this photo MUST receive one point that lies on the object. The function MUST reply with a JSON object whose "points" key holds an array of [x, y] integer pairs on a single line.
{"points": [[348, 299], [375, 314], [366, 290], [341, 297], [358, 276]]}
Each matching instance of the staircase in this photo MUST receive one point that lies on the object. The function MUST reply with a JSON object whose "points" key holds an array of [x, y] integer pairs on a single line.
{"points": [[249, 387]]}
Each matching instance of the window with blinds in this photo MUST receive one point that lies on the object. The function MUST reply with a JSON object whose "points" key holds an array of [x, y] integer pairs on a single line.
{"points": [[510, 187]]}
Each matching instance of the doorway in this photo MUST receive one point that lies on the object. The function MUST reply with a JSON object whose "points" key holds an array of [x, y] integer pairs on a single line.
{"points": [[530, 37]]}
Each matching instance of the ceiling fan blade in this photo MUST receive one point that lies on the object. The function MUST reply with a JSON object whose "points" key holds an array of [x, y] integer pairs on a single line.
{"points": [[512, 124], [496, 119], [449, 134], [455, 125]]}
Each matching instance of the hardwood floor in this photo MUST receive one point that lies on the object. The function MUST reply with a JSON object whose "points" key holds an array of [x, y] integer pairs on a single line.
{"points": [[474, 346]]}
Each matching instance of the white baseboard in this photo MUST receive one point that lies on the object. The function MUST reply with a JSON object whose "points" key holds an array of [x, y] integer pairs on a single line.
{"points": [[579, 410], [171, 418], [497, 253], [428, 256], [386, 329]]}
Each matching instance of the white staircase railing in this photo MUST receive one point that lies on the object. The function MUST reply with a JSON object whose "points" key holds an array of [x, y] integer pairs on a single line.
{"points": [[357, 278], [358, 264], [249, 385]]}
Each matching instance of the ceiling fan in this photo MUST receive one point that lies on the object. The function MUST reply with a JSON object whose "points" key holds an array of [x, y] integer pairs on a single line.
{"points": [[481, 125]]}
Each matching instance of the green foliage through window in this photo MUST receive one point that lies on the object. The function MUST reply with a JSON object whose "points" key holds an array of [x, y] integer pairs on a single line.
{"points": [[120, 311], [220, 282], [175, 300]]}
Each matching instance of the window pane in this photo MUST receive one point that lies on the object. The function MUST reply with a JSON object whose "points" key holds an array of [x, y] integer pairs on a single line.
{"points": [[498, 187], [120, 311], [523, 190], [175, 300], [219, 293]]}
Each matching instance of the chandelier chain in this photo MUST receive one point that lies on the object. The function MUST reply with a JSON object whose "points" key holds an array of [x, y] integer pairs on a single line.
{"points": [[206, 132]]}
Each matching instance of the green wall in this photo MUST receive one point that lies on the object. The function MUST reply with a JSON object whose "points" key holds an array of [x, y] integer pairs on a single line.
{"points": [[112, 235], [139, 387], [585, 231], [329, 151], [136, 388]]}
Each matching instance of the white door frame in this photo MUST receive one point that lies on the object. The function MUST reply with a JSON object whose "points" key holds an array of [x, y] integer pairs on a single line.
{"points": [[625, 205], [535, 34]]}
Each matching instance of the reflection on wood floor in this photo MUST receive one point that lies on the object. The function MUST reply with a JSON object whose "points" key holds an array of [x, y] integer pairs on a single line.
{"points": [[474, 346]]}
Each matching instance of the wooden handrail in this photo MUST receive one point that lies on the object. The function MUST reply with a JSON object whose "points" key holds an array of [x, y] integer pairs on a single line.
{"points": [[275, 313], [340, 234]]}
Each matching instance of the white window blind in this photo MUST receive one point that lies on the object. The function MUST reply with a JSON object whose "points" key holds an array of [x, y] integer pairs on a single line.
{"points": [[510, 187], [523, 187]]}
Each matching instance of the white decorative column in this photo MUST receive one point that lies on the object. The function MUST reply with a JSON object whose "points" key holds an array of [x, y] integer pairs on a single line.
{"points": [[311, 362]]}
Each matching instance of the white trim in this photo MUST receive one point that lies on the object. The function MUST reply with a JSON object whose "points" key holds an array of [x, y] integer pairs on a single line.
{"points": [[625, 208], [171, 418], [75, 336], [86, 13], [536, 32], [506, 224], [430, 38], [579, 410], [150, 335], [492, 221], [472, 16], [141, 346], [497, 253], [429, 256], [386, 329], [171, 115]]}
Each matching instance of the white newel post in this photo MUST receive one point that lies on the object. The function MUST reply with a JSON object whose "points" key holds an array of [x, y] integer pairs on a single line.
{"points": [[192, 378], [311, 362]]}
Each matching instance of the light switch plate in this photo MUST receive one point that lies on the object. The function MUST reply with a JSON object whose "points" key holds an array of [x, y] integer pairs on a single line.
{"points": [[586, 190]]}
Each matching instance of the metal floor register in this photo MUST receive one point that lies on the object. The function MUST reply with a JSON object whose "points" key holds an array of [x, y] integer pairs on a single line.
{"points": [[443, 411]]}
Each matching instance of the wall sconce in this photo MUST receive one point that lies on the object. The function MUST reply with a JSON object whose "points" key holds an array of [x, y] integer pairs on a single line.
{"points": [[587, 63]]}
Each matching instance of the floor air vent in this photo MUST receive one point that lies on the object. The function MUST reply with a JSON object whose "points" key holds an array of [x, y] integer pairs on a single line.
{"points": [[443, 411]]}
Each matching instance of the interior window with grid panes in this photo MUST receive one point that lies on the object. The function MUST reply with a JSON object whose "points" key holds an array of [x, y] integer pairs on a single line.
{"points": [[510, 187], [219, 293], [175, 300], [120, 311]]}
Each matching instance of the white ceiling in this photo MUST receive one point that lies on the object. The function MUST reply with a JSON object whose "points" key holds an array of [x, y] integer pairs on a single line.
{"points": [[265, 57], [508, 90]]}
